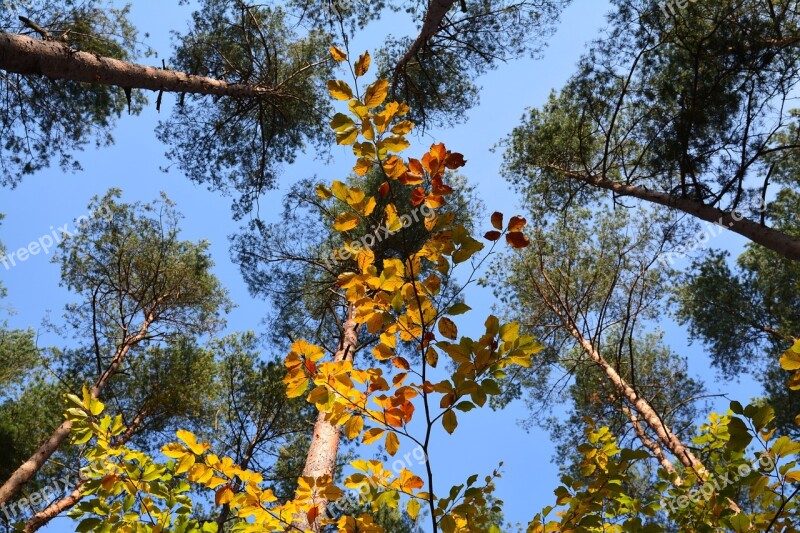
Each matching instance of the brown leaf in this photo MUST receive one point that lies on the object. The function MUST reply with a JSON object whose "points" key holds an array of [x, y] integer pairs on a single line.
{"points": [[517, 239], [516, 223]]}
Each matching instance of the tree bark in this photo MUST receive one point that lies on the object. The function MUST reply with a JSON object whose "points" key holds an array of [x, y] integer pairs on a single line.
{"points": [[321, 458], [29, 468], [654, 447], [666, 437], [434, 15], [24, 55], [775, 240], [44, 516]]}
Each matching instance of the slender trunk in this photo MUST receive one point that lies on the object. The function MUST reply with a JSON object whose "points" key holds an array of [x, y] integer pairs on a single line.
{"points": [[29, 468], [321, 458], [44, 516], [654, 447], [24, 55], [666, 437], [775, 240]]}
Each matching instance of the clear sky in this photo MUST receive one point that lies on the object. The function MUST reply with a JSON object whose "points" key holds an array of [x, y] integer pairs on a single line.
{"points": [[483, 438]]}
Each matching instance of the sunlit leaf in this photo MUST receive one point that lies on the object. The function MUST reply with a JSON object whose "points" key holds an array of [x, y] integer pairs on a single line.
{"points": [[340, 90]]}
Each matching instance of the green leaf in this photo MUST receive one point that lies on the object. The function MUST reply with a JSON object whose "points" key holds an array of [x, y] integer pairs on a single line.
{"points": [[450, 421]]}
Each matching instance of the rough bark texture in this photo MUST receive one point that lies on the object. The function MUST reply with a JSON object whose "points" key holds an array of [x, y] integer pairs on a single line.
{"points": [[44, 516], [29, 468], [24, 55], [321, 458], [777, 241]]}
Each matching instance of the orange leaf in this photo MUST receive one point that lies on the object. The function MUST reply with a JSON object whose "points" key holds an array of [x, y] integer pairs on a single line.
{"points": [[313, 513], [516, 223], [383, 190], [492, 235], [517, 239], [311, 366], [417, 196], [224, 495], [392, 443], [338, 54], [439, 151], [434, 201], [415, 166], [362, 65], [376, 93], [401, 363]]}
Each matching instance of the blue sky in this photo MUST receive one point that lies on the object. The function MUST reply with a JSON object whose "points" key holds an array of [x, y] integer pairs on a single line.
{"points": [[483, 438]]}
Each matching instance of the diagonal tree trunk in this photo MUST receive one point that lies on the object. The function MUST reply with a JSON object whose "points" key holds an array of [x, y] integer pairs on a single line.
{"points": [[773, 239], [29, 468], [654, 447], [665, 435], [321, 458], [24, 55]]}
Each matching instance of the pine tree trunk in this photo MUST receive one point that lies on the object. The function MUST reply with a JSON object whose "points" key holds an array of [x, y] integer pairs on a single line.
{"points": [[321, 458], [666, 437], [775, 240], [24, 55]]}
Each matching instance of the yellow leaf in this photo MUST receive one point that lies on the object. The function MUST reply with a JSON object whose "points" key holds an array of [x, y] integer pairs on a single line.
{"points": [[297, 388], [340, 90], [371, 435], [362, 65], [345, 222], [341, 122], [375, 94], [790, 360], [338, 54], [347, 136], [354, 427], [191, 441], [223, 496], [393, 222], [186, 462], [363, 165], [369, 207], [403, 127], [365, 259], [392, 443], [395, 143], [323, 192], [449, 421], [448, 328], [412, 508], [340, 190]]}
